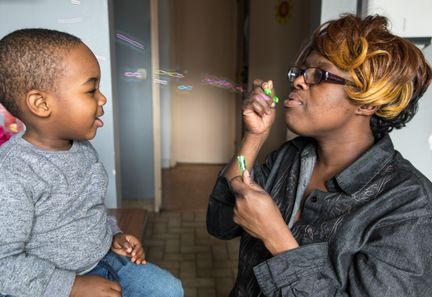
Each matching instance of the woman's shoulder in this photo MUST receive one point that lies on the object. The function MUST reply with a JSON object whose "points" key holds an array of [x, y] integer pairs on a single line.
{"points": [[407, 192], [405, 171]]}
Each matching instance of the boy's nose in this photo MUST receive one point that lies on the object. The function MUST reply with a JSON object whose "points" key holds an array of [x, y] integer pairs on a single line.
{"points": [[102, 100]]}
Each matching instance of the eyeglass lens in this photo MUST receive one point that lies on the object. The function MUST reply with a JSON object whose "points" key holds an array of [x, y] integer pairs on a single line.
{"points": [[293, 73], [311, 75]]}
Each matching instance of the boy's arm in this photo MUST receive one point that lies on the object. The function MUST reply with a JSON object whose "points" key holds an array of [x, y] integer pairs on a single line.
{"points": [[22, 274], [112, 223]]}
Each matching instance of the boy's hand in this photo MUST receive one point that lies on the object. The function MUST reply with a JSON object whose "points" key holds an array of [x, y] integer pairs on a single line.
{"points": [[130, 246], [94, 286]]}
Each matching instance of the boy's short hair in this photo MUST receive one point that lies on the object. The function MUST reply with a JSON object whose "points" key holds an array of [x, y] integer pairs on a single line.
{"points": [[387, 71], [31, 59]]}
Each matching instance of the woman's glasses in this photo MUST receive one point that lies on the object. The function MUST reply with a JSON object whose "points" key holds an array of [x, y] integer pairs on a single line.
{"points": [[314, 75]]}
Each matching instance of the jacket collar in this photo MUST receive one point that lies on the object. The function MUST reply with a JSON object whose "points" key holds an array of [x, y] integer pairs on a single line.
{"points": [[364, 169]]}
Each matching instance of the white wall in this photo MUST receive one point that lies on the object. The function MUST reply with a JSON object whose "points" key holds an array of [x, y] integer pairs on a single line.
{"points": [[332, 9], [412, 22], [89, 20]]}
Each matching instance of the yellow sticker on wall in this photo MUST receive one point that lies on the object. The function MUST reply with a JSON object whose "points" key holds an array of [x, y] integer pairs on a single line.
{"points": [[283, 10]]}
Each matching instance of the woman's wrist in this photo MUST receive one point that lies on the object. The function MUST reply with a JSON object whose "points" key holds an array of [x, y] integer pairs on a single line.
{"points": [[256, 140], [261, 136], [249, 148], [280, 241]]}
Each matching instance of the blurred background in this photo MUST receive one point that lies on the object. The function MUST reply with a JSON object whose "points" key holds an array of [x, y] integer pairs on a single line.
{"points": [[176, 71]]}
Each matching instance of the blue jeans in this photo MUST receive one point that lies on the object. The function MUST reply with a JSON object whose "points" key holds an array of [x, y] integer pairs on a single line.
{"points": [[138, 280]]}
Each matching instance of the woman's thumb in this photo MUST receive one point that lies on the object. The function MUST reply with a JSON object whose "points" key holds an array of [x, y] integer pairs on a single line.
{"points": [[247, 179]]}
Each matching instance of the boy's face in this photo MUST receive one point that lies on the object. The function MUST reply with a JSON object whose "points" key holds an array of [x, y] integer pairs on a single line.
{"points": [[77, 101]]}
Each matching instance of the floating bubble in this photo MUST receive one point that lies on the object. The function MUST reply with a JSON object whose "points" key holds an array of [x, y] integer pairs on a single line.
{"points": [[222, 83], [160, 81], [140, 73], [169, 73], [129, 40], [184, 88]]}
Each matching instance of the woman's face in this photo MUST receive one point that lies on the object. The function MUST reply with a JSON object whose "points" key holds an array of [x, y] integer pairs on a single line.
{"points": [[319, 110]]}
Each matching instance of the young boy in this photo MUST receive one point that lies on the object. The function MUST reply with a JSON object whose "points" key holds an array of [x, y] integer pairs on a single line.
{"points": [[56, 238]]}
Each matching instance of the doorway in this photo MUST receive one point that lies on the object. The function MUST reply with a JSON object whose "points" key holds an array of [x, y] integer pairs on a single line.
{"points": [[204, 50], [205, 92]]}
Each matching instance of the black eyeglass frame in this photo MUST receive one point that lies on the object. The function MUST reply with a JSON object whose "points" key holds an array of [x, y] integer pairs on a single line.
{"points": [[325, 76]]}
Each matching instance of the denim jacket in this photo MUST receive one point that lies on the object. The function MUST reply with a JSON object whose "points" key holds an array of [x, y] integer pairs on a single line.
{"points": [[369, 235]]}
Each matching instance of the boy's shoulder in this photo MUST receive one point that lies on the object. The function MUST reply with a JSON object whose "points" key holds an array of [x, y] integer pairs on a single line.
{"points": [[12, 163], [11, 148], [18, 155]]}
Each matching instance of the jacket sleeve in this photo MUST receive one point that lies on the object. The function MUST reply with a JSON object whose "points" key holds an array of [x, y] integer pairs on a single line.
{"points": [[393, 262], [22, 274], [222, 200], [220, 211]]}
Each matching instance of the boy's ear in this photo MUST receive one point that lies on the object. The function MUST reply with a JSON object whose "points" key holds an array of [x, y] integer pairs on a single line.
{"points": [[366, 110], [37, 103]]}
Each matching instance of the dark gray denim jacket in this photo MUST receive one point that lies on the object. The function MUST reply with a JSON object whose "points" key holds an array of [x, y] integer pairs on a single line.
{"points": [[369, 235]]}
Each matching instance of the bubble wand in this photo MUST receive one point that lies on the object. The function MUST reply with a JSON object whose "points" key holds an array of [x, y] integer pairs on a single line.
{"points": [[269, 93], [241, 160]]}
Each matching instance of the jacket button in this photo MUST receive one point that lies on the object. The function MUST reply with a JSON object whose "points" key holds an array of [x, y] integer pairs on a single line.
{"points": [[314, 199]]}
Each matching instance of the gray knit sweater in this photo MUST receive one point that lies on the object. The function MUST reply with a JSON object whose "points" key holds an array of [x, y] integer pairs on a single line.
{"points": [[53, 221]]}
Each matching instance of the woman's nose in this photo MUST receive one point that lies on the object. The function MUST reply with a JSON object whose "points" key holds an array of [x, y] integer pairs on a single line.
{"points": [[299, 82]]}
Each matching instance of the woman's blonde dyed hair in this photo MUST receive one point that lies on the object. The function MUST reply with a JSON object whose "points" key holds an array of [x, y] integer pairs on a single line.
{"points": [[388, 72]]}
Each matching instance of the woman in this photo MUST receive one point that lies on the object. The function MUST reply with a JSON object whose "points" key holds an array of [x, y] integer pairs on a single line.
{"points": [[336, 211]]}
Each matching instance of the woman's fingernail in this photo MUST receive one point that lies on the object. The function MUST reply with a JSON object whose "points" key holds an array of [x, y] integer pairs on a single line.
{"points": [[263, 97]]}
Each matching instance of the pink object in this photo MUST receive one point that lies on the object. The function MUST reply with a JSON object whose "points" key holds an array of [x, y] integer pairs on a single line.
{"points": [[4, 135], [10, 126]]}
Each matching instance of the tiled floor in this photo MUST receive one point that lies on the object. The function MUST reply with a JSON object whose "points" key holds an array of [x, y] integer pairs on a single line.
{"points": [[179, 242]]}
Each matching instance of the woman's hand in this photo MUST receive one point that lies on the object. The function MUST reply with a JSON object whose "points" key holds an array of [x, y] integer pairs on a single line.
{"points": [[94, 286], [258, 215], [259, 110], [130, 246]]}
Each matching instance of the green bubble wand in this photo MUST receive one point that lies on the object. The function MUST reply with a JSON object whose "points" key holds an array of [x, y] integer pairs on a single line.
{"points": [[241, 160], [269, 93]]}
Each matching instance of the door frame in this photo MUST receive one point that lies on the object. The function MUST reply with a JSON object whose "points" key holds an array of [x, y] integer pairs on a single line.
{"points": [[157, 202]]}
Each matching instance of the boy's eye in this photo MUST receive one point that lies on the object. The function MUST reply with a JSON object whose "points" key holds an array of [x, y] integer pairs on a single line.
{"points": [[92, 91]]}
